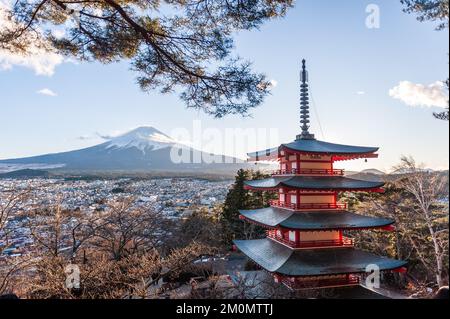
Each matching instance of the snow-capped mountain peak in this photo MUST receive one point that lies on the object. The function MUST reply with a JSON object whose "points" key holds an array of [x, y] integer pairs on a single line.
{"points": [[143, 138], [142, 149]]}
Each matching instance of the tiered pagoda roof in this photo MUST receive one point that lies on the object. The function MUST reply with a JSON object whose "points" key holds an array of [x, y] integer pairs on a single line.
{"points": [[312, 146], [280, 259], [274, 217], [305, 245], [313, 183]]}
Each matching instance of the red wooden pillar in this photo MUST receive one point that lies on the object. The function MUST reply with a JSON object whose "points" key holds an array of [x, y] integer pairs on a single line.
{"points": [[287, 198], [286, 158], [286, 234]]}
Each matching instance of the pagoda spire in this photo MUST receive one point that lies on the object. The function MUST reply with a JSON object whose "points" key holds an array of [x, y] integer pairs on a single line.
{"points": [[304, 105]]}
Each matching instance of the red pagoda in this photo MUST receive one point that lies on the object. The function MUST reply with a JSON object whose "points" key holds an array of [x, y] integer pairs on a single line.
{"points": [[305, 245]]}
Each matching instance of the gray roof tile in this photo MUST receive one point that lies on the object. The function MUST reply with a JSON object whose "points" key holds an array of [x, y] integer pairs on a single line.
{"points": [[314, 182], [275, 257], [315, 220]]}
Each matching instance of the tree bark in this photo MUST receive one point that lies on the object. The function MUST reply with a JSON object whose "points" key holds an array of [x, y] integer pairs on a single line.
{"points": [[437, 254]]}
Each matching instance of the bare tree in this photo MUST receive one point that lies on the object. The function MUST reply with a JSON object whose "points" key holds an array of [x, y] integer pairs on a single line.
{"points": [[125, 228], [122, 228], [120, 257], [104, 277], [427, 189], [201, 226], [55, 229], [11, 203], [100, 276]]}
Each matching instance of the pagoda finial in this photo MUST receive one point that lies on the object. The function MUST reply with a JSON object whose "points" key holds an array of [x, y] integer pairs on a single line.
{"points": [[304, 105]]}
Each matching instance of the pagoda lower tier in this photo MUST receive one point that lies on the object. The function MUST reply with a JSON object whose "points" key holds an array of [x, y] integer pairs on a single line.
{"points": [[312, 229], [310, 268]]}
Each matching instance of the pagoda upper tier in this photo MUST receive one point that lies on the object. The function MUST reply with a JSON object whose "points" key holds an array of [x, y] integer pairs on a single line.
{"points": [[313, 146]]}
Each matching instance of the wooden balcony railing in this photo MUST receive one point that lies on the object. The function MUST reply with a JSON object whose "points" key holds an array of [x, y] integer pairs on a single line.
{"points": [[309, 171], [345, 242], [278, 203]]}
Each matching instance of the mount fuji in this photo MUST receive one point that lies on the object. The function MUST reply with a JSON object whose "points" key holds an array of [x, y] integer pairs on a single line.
{"points": [[142, 149]]}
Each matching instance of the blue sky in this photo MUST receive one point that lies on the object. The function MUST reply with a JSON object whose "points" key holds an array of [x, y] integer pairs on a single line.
{"points": [[351, 70]]}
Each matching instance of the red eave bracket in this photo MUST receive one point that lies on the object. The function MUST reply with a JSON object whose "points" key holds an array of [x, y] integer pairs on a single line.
{"points": [[260, 189], [401, 270], [388, 228], [377, 190], [344, 157]]}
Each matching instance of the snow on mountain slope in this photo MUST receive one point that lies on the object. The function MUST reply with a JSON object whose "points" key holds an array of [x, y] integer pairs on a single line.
{"points": [[143, 138], [144, 148]]}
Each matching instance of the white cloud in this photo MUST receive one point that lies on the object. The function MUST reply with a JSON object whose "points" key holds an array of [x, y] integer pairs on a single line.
{"points": [[413, 94], [114, 134], [47, 92], [360, 92], [42, 60]]}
